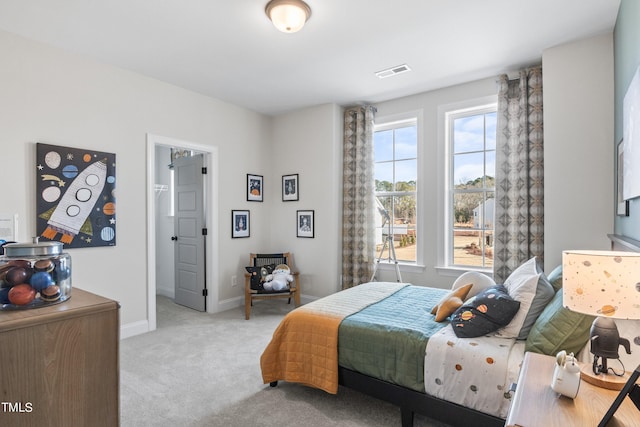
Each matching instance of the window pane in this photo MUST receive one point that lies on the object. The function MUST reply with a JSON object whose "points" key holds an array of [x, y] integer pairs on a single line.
{"points": [[490, 165], [468, 134], [490, 124], [468, 169], [465, 209], [406, 143], [383, 174], [402, 228], [406, 172], [383, 145], [470, 248]]}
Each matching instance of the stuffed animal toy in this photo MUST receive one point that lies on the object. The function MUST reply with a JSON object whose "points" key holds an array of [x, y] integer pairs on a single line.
{"points": [[279, 279]]}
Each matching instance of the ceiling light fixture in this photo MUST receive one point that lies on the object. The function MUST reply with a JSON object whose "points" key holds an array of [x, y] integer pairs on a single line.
{"points": [[288, 16]]}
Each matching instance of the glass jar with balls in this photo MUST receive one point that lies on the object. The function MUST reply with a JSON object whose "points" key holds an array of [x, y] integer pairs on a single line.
{"points": [[34, 275]]}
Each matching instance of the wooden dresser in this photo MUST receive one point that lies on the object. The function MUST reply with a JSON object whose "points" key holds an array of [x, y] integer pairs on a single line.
{"points": [[59, 365]]}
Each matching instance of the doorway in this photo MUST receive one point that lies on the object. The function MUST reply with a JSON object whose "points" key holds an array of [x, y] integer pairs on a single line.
{"points": [[158, 217]]}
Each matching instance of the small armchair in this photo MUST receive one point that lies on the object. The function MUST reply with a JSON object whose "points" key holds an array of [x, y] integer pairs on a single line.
{"points": [[253, 289]]}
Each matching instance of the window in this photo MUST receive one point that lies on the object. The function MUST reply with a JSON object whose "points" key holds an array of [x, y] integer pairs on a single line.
{"points": [[471, 139], [396, 179]]}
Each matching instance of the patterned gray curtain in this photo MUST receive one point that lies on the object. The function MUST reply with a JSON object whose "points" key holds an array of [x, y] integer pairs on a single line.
{"points": [[358, 237], [519, 228]]}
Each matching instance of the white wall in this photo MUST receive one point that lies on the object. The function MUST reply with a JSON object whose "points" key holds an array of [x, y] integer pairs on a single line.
{"points": [[309, 142], [578, 146], [48, 95]]}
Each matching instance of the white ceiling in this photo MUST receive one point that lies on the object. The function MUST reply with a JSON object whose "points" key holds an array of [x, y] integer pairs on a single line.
{"points": [[230, 50]]}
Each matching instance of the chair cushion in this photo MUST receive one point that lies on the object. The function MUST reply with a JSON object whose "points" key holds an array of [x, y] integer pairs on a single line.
{"points": [[258, 276]]}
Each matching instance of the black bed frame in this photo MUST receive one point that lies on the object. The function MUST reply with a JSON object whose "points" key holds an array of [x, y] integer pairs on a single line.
{"points": [[411, 402]]}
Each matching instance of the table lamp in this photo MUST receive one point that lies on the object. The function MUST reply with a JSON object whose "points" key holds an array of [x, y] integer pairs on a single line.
{"points": [[605, 284]]}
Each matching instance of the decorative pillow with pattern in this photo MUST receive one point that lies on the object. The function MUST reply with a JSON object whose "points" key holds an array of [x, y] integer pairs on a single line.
{"points": [[490, 310]]}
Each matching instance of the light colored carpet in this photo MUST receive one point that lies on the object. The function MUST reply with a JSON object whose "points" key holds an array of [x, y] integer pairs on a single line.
{"points": [[201, 369]]}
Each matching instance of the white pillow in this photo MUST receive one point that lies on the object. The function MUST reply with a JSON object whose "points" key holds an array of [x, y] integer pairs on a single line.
{"points": [[480, 282], [521, 286]]}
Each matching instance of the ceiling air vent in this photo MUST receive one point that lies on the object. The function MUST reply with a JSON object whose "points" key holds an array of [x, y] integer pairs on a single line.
{"points": [[398, 69]]}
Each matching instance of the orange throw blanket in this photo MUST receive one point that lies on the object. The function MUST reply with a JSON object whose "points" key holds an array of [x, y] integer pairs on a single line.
{"points": [[304, 347]]}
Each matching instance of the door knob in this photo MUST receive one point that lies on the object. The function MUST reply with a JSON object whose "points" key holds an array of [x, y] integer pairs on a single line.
{"points": [[174, 237]]}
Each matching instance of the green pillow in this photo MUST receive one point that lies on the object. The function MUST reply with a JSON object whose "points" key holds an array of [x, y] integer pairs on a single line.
{"points": [[555, 278], [558, 328]]}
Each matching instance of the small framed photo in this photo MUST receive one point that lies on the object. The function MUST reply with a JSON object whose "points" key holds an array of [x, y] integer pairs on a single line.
{"points": [[305, 223], [255, 188], [290, 188], [240, 224]]}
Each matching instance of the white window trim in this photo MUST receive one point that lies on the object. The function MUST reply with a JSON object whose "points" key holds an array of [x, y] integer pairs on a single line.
{"points": [[387, 122], [443, 266]]}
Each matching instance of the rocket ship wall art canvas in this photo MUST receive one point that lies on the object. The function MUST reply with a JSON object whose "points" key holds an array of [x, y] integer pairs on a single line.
{"points": [[75, 196]]}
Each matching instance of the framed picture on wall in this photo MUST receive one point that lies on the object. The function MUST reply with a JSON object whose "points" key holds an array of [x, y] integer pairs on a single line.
{"points": [[305, 224], [240, 221], [290, 188], [622, 204], [75, 196], [255, 188]]}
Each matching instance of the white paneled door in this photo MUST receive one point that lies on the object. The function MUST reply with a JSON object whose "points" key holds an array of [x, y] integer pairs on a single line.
{"points": [[190, 232]]}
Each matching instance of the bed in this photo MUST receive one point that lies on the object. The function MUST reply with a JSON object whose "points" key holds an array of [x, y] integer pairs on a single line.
{"points": [[357, 338]]}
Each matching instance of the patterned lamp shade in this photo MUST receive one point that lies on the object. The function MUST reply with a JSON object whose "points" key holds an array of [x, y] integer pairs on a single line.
{"points": [[602, 283]]}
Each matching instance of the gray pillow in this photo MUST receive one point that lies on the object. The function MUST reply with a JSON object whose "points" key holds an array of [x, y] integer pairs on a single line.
{"points": [[555, 278], [544, 294]]}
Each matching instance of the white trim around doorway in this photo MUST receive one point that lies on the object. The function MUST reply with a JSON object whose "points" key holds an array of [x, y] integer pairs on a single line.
{"points": [[211, 215]]}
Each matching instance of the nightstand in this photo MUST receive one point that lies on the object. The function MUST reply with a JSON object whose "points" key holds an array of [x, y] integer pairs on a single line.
{"points": [[535, 404]]}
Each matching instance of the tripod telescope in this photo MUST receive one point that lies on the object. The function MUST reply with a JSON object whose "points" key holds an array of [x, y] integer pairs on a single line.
{"points": [[388, 241]]}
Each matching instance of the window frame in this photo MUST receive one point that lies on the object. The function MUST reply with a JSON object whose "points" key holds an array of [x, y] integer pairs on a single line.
{"points": [[392, 122], [446, 113]]}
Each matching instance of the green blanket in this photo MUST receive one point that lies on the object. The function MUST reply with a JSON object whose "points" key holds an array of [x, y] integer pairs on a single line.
{"points": [[387, 340]]}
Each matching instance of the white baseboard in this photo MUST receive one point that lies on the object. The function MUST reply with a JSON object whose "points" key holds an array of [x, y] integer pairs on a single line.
{"points": [[133, 329], [142, 326], [228, 304]]}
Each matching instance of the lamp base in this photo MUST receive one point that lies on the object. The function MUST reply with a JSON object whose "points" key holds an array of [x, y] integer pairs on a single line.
{"points": [[608, 381]]}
